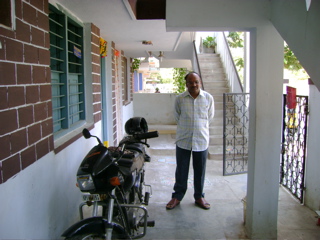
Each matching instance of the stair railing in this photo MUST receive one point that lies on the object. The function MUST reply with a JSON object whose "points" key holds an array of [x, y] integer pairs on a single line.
{"points": [[227, 60], [197, 63]]}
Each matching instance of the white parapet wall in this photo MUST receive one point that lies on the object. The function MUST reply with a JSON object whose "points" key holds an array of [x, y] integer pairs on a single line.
{"points": [[156, 108]]}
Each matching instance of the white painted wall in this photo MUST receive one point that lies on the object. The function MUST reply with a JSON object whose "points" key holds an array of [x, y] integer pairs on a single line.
{"points": [[156, 108], [300, 29], [312, 176], [265, 111], [42, 201]]}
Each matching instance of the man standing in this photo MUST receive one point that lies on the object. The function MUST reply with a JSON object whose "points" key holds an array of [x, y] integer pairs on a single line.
{"points": [[193, 111]]}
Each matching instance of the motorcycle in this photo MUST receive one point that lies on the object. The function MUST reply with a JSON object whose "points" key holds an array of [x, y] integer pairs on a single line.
{"points": [[112, 180]]}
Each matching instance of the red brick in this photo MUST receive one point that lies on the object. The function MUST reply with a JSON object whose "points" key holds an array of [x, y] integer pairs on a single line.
{"points": [[6, 32], [96, 98], [29, 14], [2, 50], [43, 21], [28, 157], [46, 6], [5, 146], [3, 98], [25, 115], [49, 106], [96, 78], [40, 112], [34, 133], [95, 58], [10, 167], [47, 40], [97, 117], [46, 128], [42, 148], [16, 96], [18, 140], [97, 107], [95, 39], [32, 94], [14, 50], [95, 29], [39, 74], [18, 8], [95, 49], [22, 31], [48, 75], [30, 54], [44, 56], [96, 88], [37, 3], [37, 37], [45, 93], [23, 74], [8, 121], [7, 73]]}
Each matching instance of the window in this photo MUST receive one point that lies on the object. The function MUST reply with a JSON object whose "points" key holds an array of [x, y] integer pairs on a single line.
{"points": [[6, 13], [67, 71]]}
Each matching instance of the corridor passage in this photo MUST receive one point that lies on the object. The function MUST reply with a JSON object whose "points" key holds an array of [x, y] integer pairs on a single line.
{"points": [[225, 218]]}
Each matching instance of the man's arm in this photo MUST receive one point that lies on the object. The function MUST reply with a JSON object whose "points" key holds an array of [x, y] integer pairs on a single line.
{"points": [[177, 110], [211, 109]]}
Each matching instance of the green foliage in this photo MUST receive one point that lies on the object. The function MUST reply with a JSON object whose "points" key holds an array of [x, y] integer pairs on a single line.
{"points": [[136, 64], [235, 39], [239, 62], [178, 79], [209, 42], [290, 60], [156, 76]]}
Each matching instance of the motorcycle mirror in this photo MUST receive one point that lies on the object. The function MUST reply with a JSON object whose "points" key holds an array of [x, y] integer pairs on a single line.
{"points": [[86, 133]]}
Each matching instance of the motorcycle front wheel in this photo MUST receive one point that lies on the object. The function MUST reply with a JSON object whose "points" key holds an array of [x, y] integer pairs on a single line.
{"points": [[85, 237], [94, 236]]}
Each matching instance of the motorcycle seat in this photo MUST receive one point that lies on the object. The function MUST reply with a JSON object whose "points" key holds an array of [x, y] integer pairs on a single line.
{"points": [[136, 146]]}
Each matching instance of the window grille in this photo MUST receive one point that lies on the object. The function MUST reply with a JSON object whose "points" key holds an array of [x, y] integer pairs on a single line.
{"points": [[66, 47]]}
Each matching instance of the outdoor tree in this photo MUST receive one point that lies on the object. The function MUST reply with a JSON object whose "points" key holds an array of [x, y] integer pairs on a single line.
{"points": [[178, 79]]}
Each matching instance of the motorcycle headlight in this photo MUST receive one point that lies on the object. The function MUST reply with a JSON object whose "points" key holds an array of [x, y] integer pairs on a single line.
{"points": [[85, 182]]}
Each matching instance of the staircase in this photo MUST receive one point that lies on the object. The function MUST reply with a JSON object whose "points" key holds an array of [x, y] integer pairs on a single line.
{"points": [[215, 83]]}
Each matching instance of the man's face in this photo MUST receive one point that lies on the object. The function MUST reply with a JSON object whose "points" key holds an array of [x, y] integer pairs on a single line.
{"points": [[193, 83]]}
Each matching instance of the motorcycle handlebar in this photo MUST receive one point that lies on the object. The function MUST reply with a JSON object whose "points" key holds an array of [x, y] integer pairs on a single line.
{"points": [[146, 135]]}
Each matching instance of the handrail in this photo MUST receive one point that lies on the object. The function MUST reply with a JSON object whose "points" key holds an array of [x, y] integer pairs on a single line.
{"points": [[197, 61], [226, 57]]}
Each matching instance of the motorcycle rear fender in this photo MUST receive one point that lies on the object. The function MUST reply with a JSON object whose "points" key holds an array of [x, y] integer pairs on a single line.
{"points": [[96, 225]]}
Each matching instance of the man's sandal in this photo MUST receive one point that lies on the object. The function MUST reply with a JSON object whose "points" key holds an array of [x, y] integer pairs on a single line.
{"points": [[173, 203], [201, 202]]}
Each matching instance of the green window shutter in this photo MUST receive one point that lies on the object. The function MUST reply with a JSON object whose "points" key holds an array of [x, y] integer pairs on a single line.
{"points": [[66, 47]]}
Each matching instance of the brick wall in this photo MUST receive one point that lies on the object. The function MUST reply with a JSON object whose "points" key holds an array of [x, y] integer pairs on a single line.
{"points": [[96, 76], [25, 91]]}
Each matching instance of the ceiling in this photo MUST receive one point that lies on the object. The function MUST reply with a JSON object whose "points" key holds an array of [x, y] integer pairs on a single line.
{"points": [[117, 23]]}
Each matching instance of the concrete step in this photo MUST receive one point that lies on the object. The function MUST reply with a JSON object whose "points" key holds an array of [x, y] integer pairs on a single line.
{"points": [[209, 76], [210, 70], [214, 84]]}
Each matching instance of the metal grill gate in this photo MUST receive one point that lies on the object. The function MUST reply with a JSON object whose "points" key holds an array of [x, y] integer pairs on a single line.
{"points": [[294, 137], [235, 133]]}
